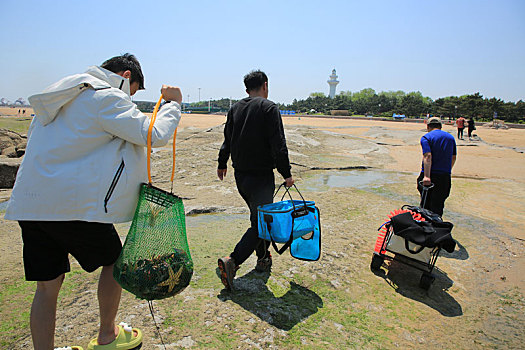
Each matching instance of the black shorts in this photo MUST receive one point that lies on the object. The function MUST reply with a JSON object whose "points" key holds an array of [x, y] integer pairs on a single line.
{"points": [[48, 243]]}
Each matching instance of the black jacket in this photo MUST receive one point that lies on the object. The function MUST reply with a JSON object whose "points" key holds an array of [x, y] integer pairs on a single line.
{"points": [[254, 137]]}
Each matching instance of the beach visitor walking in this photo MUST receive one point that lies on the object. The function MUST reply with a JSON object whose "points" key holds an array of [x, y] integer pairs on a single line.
{"points": [[84, 162], [439, 156], [460, 124], [471, 126], [254, 138]]}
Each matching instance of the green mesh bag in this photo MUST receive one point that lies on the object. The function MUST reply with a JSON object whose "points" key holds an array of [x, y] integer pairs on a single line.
{"points": [[155, 262]]}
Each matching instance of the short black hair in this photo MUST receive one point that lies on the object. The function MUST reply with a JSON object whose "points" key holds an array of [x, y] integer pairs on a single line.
{"points": [[255, 80], [126, 62]]}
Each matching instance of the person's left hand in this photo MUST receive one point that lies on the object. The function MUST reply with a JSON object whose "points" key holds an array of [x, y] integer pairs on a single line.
{"points": [[221, 173], [426, 181]]}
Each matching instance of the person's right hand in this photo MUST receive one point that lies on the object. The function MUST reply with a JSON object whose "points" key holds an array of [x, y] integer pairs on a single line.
{"points": [[289, 181], [171, 93]]}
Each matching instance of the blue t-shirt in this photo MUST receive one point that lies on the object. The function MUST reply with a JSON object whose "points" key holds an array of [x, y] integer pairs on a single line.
{"points": [[442, 146]]}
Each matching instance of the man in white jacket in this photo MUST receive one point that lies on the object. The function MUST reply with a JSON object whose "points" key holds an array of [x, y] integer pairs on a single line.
{"points": [[84, 162]]}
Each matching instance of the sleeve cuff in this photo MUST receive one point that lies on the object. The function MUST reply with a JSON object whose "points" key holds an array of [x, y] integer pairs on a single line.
{"points": [[285, 173], [170, 102]]}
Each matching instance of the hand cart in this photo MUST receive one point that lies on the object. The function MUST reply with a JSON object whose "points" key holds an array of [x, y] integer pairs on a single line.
{"points": [[390, 246]]}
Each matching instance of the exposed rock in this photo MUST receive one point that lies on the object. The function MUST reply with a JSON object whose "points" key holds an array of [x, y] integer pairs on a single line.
{"points": [[21, 148], [12, 144], [8, 169], [5, 141], [204, 210], [9, 152], [185, 342]]}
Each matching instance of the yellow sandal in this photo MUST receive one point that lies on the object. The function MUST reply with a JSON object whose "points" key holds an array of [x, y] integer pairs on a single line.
{"points": [[128, 338]]}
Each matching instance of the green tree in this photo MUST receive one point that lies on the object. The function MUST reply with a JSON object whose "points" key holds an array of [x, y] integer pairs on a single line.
{"points": [[472, 105], [365, 101], [445, 107], [390, 101], [495, 105], [342, 102], [414, 104]]}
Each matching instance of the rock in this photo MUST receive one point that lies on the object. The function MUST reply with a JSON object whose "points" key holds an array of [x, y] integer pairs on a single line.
{"points": [[21, 148], [8, 169], [9, 152], [186, 342], [204, 210], [5, 141], [336, 284], [12, 144]]}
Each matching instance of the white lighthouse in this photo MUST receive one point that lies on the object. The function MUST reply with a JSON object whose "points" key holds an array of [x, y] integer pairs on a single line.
{"points": [[333, 83]]}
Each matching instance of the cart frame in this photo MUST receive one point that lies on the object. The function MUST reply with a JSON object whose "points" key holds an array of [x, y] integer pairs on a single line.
{"points": [[381, 251]]}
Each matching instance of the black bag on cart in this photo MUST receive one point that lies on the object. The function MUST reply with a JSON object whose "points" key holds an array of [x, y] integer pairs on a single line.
{"points": [[428, 234]]}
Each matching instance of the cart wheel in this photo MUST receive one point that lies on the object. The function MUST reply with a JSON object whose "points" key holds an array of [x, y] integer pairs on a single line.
{"points": [[377, 262], [426, 281]]}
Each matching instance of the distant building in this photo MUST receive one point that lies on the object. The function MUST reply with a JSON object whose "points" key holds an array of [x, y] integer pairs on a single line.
{"points": [[21, 102], [333, 83]]}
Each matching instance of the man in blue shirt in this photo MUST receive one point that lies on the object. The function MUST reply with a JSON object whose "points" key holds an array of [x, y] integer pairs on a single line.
{"points": [[439, 156]]}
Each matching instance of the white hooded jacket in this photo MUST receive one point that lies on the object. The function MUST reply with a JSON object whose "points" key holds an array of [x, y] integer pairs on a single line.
{"points": [[85, 156]]}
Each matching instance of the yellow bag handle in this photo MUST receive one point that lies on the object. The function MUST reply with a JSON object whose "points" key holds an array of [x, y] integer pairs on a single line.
{"points": [[150, 130]]}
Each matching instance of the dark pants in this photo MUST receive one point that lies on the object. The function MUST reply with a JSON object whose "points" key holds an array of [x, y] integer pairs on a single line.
{"points": [[460, 133], [437, 195], [255, 189]]}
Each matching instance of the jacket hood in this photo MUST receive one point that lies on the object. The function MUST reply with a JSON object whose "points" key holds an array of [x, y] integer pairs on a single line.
{"points": [[47, 104]]}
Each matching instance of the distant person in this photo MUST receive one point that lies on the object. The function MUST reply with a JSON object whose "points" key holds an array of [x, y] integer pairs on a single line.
{"points": [[439, 156], [254, 137], [84, 162], [471, 127], [460, 124]]}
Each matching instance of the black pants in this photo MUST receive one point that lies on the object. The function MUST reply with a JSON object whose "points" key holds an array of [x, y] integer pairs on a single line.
{"points": [[255, 189], [437, 195], [460, 133]]}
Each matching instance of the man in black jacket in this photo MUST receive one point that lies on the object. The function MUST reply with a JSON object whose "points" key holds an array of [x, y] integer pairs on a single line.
{"points": [[254, 137]]}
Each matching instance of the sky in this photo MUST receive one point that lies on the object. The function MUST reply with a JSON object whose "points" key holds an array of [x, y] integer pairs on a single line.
{"points": [[438, 47]]}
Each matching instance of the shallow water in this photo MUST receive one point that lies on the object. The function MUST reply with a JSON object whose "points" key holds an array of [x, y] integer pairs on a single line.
{"points": [[347, 178]]}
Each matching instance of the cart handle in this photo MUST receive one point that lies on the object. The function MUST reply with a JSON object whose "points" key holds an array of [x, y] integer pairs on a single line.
{"points": [[424, 193], [426, 188]]}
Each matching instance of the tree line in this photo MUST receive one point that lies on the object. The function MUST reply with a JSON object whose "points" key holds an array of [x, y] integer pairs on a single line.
{"points": [[412, 104], [386, 103], [223, 104]]}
